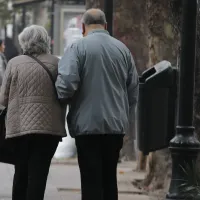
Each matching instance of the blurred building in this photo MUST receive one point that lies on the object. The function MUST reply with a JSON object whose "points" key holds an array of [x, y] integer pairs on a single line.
{"points": [[67, 26], [27, 12], [61, 18]]}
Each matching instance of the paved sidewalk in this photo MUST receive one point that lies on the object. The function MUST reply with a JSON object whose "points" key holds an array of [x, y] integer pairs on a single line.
{"points": [[64, 181]]}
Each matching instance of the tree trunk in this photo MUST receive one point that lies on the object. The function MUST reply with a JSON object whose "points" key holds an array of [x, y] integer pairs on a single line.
{"points": [[163, 45], [130, 28]]}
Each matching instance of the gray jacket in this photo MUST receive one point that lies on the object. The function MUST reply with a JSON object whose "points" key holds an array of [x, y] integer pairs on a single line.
{"points": [[98, 75]]}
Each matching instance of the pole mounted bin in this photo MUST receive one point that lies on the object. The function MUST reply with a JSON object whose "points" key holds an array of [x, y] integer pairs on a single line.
{"points": [[156, 107]]}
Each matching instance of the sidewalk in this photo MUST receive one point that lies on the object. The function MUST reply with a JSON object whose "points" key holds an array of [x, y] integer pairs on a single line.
{"points": [[64, 181]]}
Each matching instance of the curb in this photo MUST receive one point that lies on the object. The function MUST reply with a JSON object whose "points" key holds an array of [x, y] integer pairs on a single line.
{"points": [[120, 192]]}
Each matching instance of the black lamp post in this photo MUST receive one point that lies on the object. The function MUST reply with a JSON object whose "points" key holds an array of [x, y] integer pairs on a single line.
{"points": [[108, 8], [23, 17], [185, 146]]}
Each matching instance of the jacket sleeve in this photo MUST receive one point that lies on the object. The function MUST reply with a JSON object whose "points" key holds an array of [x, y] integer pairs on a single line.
{"points": [[133, 91], [68, 73], [5, 87], [132, 83]]}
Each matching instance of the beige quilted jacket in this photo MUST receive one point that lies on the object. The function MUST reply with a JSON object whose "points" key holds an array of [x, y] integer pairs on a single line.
{"points": [[28, 93]]}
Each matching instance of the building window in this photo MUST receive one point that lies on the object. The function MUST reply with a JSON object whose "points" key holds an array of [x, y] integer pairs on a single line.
{"points": [[68, 26]]}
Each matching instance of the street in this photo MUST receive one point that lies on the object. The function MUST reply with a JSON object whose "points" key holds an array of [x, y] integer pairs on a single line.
{"points": [[64, 182]]}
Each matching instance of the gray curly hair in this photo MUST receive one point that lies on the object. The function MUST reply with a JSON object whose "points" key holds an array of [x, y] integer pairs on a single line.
{"points": [[34, 40]]}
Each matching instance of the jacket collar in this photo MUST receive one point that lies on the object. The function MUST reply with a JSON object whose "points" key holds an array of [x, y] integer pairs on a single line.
{"points": [[98, 31]]}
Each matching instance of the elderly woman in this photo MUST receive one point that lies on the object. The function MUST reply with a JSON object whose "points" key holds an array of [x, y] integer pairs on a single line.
{"points": [[35, 119]]}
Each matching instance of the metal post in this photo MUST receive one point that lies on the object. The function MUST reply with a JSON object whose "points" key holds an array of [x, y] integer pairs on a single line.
{"points": [[108, 8], [5, 30], [14, 27], [52, 24], [23, 17], [185, 147]]}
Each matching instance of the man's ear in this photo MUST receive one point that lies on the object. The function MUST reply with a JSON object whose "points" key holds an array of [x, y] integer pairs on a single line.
{"points": [[83, 29]]}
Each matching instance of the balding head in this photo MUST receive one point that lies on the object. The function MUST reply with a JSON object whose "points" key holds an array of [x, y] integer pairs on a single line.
{"points": [[93, 19], [94, 16]]}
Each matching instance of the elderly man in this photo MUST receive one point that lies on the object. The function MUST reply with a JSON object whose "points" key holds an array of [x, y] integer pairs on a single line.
{"points": [[98, 79]]}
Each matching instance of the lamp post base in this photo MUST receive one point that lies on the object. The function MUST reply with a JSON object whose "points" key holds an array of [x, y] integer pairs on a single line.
{"points": [[184, 149]]}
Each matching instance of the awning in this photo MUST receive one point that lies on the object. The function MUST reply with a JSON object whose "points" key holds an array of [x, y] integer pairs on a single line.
{"points": [[25, 2]]}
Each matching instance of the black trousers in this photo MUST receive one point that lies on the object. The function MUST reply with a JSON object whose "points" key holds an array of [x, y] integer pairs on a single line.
{"points": [[33, 158], [98, 157]]}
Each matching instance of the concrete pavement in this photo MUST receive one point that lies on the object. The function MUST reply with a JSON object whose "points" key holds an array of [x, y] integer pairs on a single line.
{"points": [[64, 181]]}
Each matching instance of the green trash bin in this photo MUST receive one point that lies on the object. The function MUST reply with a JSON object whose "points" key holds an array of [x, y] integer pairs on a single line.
{"points": [[156, 107]]}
